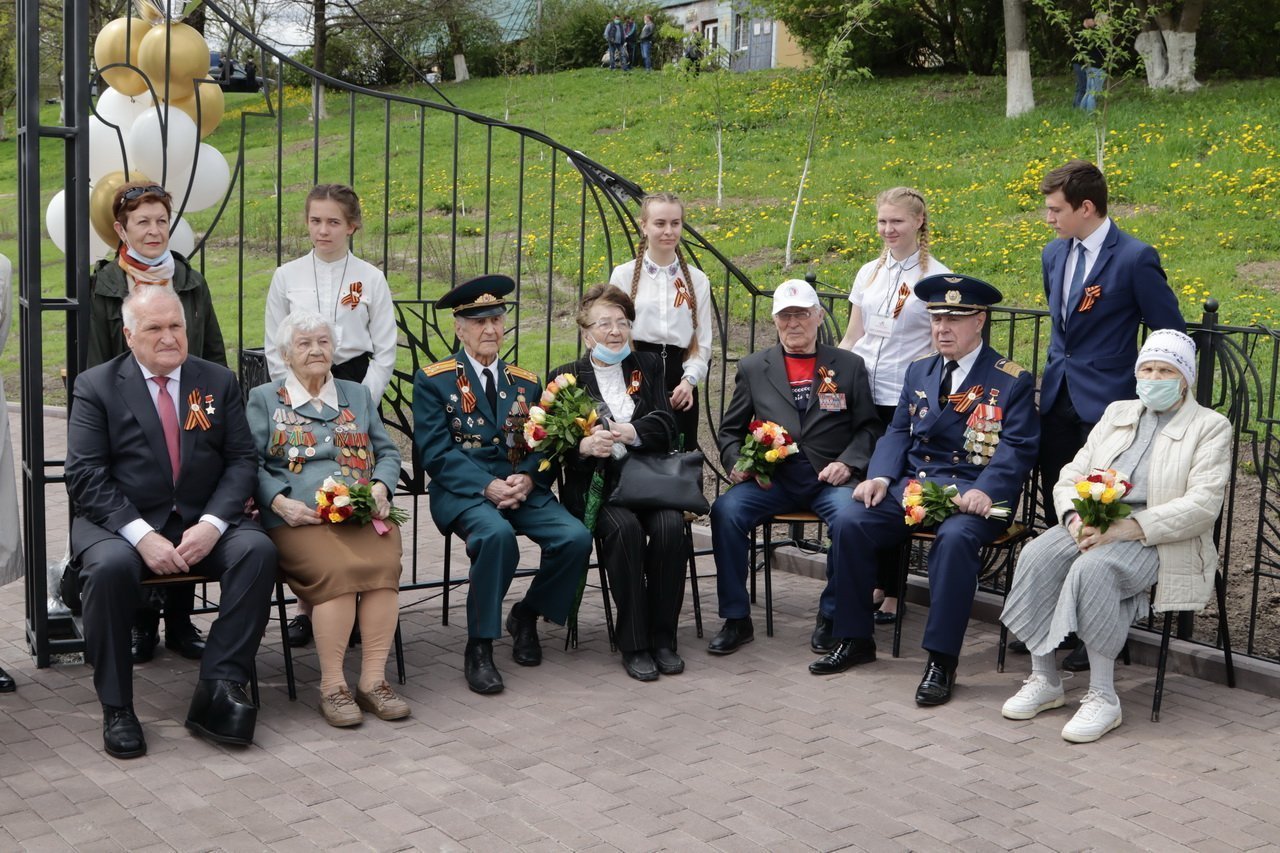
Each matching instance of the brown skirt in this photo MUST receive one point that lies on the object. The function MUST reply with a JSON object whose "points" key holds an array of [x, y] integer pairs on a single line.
{"points": [[324, 561]]}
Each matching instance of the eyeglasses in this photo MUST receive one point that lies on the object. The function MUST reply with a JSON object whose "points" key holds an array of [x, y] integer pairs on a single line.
{"points": [[793, 316], [611, 325]]}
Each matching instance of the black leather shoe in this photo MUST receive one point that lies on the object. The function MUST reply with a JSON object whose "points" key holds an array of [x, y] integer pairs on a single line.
{"points": [[821, 640], [847, 653], [640, 666], [299, 631], [186, 640], [1078, 660], [667, 661], [886, 618], [221, 711], [522, 625], [735, 634], [143, 642], [7, 684], [122, 733], [482, 675], [1018, 647], [936, 686]]}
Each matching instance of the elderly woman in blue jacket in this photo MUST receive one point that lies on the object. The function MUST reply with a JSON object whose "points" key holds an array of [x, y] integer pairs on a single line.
{"points": [[310, 427]]}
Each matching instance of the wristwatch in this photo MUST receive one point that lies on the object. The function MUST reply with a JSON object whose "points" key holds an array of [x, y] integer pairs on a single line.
{"points": [[686, 378]]}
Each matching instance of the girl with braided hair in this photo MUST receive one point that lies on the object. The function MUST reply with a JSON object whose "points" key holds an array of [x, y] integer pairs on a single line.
{"points": [[888, 325], [673, 307]]}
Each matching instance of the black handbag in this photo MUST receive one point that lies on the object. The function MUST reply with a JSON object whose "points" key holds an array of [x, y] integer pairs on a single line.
{"points": [[662, 481]]}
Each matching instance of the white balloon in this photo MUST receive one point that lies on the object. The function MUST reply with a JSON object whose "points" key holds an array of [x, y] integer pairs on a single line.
{"points": [[182, 239], [55, 220], [213, 176], [151, 153], [106, 153], [122, 110]]}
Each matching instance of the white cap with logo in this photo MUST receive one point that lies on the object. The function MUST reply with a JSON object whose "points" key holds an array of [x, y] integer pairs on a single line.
{"points": [[794, 293]]}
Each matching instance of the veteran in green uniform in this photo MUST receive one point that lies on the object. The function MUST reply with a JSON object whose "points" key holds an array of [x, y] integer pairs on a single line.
{"points": [[468, 417]]}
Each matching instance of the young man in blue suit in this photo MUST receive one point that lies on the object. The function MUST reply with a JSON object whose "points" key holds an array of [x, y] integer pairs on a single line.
{"points": [[966, 417], [1100, 284], [468, 414]]}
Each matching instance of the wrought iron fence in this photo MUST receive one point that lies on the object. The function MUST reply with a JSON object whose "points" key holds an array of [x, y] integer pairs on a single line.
{"points": [[448, 194]]}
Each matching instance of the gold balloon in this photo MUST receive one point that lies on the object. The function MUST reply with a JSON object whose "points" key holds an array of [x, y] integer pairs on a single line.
{"points": [[187, 54], [152, 12], [100, 199], [110, 48], [212, 103]]}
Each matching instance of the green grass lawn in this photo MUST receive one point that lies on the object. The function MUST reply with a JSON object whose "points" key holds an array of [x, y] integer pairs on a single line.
{"points": [[1195, 175]]}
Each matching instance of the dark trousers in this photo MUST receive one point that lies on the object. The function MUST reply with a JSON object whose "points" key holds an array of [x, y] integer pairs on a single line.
{"points": [[888, 561], [243, 562], [736, 513], [673, 372], [1062, 434], [490, 534], [644, 554], [954, 563]]}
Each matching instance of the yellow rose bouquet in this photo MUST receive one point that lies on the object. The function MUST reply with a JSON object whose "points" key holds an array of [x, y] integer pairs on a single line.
{"points": [[928, 502], [1099, 493]]}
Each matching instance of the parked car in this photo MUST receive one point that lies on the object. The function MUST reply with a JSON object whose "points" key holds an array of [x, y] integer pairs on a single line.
{"points": [[231, 75]]}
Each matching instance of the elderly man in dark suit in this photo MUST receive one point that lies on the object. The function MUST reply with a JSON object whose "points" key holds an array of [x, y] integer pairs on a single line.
{"points": [[468, 412], [821, 395], [1100, 284], [159, 465], [966, 418]]}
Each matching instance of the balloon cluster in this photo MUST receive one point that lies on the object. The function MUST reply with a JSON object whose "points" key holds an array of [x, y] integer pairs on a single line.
{"points": [[148, 125]]}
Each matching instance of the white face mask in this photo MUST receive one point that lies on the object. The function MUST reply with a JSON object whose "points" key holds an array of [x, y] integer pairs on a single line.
{"points": [[1160, 395]]}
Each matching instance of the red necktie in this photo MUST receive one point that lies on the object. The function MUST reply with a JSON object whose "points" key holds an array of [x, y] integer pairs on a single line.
{"points": [[168, 421]]}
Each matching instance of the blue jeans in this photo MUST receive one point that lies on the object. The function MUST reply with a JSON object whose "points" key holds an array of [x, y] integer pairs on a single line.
{"points": [[645, 50], [1077, 71], [736, 513], [1094, 80], [617, 57]]}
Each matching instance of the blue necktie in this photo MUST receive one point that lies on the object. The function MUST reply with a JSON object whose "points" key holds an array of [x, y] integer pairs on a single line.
{"points": [[1077, 283]]}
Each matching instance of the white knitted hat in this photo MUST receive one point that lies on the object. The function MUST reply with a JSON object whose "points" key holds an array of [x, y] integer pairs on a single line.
{"points": [[1173, 348]]}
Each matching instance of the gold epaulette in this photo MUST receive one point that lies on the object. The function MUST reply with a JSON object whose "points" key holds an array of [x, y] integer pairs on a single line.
{"points": [[521, 373], [439, 367], [926, 355], [1011, 367]]}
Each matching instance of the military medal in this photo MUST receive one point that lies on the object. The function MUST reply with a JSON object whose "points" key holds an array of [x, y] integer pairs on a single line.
{"points": [[964, 400], [196, 416], [982, 431], [634, 385], [464, 388]]}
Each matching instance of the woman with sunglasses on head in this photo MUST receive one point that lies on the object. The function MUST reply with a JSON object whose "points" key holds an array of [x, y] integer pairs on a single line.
{"points": [[143, 214], [672, 305], [351, 294], [889, 328]]}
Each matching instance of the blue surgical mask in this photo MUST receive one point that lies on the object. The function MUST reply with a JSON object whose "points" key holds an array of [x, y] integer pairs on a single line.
{"points": [[1160, 395], [604, 355], [151, 262]]}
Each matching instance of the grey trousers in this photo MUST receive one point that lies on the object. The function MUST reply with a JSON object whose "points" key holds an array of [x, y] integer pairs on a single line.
{"points": [[1098, 593]]}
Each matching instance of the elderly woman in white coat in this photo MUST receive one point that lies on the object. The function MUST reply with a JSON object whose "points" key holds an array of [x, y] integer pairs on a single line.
{"points": [[1075, 577]]}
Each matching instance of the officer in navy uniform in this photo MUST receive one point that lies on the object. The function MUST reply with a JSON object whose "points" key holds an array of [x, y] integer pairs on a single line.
{"points": [[966, 416], [468, 416]]}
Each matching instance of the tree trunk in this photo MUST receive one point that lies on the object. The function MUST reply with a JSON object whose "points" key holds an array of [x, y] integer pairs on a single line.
{"points": [[1019, 97], [1150, 45], [1169, 48], [460, 68], [321, 29], [1180, 49]]}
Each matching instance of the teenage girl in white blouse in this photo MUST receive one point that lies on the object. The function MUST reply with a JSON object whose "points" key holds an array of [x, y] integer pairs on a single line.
{"points": [[673, 306], [342, 288], [888, 326], [334, 283]]}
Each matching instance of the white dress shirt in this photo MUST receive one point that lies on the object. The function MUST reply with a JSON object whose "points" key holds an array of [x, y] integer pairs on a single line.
{"points": [[658, 321], [908, 338]]}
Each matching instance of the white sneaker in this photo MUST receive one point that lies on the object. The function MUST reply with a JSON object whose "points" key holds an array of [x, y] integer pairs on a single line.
{"points": [[1097, 716], [1036, 695]]}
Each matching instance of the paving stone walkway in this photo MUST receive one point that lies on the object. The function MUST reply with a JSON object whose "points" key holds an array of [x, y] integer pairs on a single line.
{"points": [[745, 752]]}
